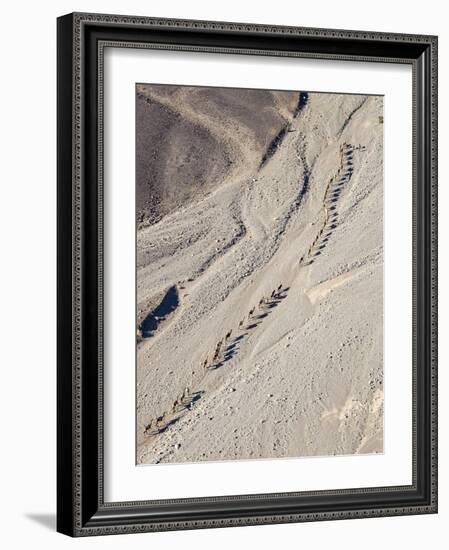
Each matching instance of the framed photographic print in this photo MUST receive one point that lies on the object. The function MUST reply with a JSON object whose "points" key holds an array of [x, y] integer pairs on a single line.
{"points": [[247, 283]]}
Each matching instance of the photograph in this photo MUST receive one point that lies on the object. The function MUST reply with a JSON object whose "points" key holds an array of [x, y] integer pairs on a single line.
{"points": [[247, 274], [259, 274]]}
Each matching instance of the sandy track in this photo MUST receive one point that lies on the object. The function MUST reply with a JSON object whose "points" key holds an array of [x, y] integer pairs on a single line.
{"points": [[264, 356]]}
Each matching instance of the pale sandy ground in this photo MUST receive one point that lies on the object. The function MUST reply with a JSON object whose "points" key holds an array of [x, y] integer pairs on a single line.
{"points": [[302, 375]]}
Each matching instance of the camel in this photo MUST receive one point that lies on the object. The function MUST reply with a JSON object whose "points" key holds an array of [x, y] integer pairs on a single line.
{"points": [[184, 394], [149, 426], [217, 351], [159, 421]]}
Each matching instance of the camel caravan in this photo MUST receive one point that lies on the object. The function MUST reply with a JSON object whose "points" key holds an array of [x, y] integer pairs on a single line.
{"points": [[332, 193], [158, 425], [226, 348]]}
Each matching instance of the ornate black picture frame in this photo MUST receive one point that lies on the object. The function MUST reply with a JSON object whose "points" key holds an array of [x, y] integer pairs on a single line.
{"points": [[81, 510]]}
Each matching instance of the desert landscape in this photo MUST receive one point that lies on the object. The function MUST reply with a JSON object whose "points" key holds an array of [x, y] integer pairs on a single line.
{"points": [[259, 274]]}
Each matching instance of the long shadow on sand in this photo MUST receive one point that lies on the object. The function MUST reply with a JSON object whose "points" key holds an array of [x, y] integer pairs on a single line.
{"points": [[167, 306]]}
